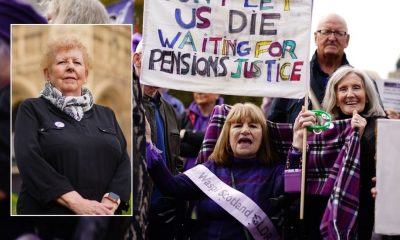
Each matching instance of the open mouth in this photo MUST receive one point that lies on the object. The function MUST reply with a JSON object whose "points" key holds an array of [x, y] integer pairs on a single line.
{"points": [[245, 140]]}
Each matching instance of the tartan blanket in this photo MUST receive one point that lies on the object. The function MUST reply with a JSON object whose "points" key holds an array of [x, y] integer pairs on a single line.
{"points": [[333, 167]]}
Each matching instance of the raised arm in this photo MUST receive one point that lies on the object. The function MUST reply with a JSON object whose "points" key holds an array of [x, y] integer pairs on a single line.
{"points": [[178, 186]]}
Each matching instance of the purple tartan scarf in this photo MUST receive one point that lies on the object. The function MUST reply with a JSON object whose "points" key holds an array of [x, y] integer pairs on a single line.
{"points": [[333, 167]]}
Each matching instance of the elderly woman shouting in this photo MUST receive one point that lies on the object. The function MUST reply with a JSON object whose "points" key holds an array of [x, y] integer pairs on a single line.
{"points": [[235, 185], [71, 153]]}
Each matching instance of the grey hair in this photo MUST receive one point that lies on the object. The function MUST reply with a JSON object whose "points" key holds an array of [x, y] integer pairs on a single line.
{"points": [[139, 47], [78, 12], [372, 108]]}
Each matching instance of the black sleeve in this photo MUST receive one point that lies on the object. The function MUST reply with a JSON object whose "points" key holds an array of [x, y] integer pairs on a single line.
{"points": [[192, 140], [285, 110], [5, 139], [278, 110], [41, 180], [121, 182], [184, 122], [191, 143]]}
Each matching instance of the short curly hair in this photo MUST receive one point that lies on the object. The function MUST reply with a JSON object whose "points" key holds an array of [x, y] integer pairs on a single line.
{"points": [[64, 44]]}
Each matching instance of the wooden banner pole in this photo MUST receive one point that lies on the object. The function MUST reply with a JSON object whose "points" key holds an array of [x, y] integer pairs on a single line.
{"points": [[303, 165]]}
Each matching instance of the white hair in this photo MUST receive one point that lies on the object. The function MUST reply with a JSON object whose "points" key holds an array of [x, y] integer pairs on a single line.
{"points": [[372, 108], [139, 47], [77, 12]]}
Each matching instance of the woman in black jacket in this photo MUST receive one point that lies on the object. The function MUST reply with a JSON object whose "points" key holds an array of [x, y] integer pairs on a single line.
{"points": [[71, 153], [351, 94]]}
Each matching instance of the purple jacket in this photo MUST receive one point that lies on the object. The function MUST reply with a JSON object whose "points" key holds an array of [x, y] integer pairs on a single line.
{"points": [[259, 182], [201, 121]]}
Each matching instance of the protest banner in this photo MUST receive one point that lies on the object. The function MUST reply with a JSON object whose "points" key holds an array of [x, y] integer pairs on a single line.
{"points": [[387, 212], [241, 47], [389, 90]]}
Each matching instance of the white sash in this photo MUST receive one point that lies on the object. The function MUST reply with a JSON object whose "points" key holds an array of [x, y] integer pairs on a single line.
{"points": [[240, 206]]}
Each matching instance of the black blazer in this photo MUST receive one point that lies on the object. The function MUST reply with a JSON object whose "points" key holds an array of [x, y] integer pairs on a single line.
{"points": [[56, 154]]}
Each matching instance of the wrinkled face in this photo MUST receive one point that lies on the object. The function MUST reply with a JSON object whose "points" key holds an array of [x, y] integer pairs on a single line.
{"points": [[245, 138], [205, 98], [350, 94], [331, 44], [68, 72], [150, 90]]}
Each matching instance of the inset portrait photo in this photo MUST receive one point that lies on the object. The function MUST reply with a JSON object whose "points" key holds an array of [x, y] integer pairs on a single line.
{"points": [[71, 119]]}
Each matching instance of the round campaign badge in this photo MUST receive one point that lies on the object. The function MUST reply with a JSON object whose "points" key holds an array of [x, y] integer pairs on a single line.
{"points": [[59, 124]]}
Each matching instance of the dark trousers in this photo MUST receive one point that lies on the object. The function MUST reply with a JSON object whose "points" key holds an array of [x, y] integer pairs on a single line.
{"points": [[159, 229]]}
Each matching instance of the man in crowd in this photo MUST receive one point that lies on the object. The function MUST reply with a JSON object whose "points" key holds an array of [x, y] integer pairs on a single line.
{"points": [[165, 213], [331, 38]]}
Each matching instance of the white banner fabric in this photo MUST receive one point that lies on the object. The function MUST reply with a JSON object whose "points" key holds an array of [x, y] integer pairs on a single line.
{"points": [[387, 211], [240, 47], [389, 89]]}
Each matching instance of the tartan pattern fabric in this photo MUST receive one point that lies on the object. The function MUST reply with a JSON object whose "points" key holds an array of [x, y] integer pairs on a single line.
{"points": [[281, 135], [214, 128], [333, 167], [341, 213]]}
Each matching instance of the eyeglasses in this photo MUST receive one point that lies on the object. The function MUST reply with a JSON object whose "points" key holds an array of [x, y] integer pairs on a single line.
{"points": [[327, 33]]}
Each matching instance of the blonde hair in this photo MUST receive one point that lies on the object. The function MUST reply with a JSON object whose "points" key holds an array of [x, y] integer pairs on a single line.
{"points": [[223, 153], [77, 12], [64, 44], [372, 108]]}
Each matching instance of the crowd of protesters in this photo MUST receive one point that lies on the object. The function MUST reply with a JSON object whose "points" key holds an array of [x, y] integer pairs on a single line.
{"points": [[240, 149]]}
